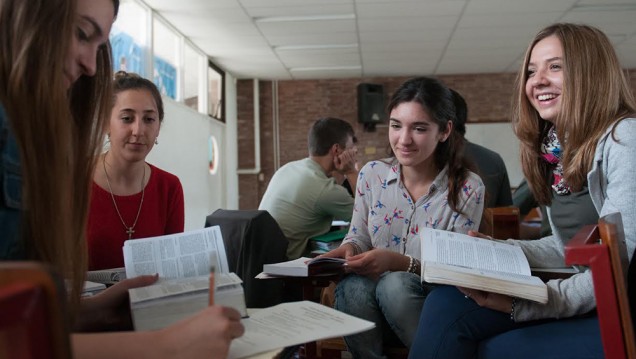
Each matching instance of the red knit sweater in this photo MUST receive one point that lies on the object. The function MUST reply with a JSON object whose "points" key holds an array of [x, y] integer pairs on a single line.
{"points": [[161, 213]]}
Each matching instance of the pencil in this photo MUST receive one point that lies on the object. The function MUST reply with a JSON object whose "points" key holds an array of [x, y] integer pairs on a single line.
{"points": [[212, 270]]}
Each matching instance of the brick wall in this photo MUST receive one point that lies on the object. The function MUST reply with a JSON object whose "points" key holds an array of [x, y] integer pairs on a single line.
{"points": [[302, 102]]}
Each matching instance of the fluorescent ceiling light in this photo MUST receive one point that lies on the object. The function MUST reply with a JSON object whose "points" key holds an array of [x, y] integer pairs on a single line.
{"points": [[315, 47], [325, 68], [305, 18]]}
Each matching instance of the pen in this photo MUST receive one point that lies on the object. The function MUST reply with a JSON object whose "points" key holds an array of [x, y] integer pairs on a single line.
{"points": [[212, 273]]}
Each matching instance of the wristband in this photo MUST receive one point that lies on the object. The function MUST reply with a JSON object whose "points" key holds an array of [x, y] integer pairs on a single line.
{"points": [[512, 309], [411, 262]]}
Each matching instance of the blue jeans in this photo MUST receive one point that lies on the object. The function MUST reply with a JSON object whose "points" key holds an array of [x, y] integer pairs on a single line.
{"points": [[393, 303], [452, 326]]}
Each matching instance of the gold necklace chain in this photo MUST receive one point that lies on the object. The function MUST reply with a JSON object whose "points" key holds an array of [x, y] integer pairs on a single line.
{"points": [[129, 230]]}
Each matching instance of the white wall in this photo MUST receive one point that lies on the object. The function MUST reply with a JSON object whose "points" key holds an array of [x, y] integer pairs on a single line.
{"points": [[183, 151], [499, 138]]}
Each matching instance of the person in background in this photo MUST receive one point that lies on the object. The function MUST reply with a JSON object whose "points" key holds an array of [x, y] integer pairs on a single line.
{"points": [[523, 199], [574, 115], [490, 166], [130, 197], [303, 197], [425, 183], [55, 96]]}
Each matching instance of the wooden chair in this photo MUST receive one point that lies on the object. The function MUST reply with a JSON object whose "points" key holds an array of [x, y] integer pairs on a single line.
{"points": [[602, 248], [500, 222], [32, 321]]}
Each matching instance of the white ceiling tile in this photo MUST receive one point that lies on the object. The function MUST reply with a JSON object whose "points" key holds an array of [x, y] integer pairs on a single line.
{"points": [[516, 6], [410, 9], [306, 27], [432, 23], [191, 5], [300, 10], [292, 39], [510, 20]]}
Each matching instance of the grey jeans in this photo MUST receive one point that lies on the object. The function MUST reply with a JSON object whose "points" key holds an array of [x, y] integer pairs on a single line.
{"points": [[393, 303]]}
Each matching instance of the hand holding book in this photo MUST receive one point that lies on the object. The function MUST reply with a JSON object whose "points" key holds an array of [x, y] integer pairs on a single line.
{"points": [[494, 301]]}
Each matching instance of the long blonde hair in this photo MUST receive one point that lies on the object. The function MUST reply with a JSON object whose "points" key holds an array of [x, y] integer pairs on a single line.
{"points": [[59, 132], [595, 95]]}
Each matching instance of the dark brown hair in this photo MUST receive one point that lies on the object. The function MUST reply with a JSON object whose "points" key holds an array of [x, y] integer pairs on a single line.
{"points": [[437, 101]]}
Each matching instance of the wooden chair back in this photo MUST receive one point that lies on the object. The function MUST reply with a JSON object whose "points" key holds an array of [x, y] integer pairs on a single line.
{"points": [[602, 248], [500, 222], [32, 323]]}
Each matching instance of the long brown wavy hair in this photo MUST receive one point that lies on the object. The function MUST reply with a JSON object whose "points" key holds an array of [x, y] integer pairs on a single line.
{"points": [[59, 131], [437, 100], [595, 95]]}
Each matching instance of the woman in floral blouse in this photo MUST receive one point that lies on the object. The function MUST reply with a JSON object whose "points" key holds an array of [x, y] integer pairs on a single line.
{"points": [[425, 183]]}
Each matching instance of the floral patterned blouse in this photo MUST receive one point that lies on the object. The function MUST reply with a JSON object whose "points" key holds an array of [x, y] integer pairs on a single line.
{"points": [[385, 215]]}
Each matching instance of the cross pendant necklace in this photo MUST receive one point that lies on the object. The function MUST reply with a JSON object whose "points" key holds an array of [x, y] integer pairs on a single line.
{"points": [[129, 230]]}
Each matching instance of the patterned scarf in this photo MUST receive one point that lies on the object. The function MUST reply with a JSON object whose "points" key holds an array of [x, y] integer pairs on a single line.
{"points": [[551, 153]]}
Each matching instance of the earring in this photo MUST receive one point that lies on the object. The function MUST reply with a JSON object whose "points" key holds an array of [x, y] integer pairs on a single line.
{"points": [[156, 140]]}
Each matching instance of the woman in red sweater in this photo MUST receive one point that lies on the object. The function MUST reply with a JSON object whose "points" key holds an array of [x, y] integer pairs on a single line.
{"points": [[131, 198]]}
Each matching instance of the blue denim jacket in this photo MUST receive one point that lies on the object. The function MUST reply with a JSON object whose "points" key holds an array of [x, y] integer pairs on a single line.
{"points": [[11, 247]]}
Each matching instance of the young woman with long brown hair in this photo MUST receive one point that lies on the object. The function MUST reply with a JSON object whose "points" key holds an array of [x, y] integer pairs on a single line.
{"points": [[55, 96]]}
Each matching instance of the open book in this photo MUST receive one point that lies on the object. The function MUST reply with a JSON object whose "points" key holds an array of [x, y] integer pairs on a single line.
{"points": [[305, 267], [183, 262], [471, 262]]}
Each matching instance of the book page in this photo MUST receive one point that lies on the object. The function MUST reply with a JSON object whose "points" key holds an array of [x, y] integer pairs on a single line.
{"points": [[178, 255], [291, 324], [166, 288], [472, 252]]}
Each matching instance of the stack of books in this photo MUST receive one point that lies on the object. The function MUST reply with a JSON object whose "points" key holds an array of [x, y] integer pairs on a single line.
{"points": [[328, 241]]}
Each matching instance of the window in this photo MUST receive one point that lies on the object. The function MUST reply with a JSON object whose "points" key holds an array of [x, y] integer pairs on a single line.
{"points": [[129, 38], [216, 87], [193, 64], [165, 44]]}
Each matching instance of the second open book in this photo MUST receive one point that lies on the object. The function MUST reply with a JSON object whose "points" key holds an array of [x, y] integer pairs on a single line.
{"points": [[183, 262], [471, 262]]}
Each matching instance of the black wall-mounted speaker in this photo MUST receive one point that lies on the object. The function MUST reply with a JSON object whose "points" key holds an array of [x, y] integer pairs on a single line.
{"points": [[371, 109]]}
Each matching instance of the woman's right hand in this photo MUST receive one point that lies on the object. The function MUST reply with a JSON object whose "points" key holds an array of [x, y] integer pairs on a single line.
{"points": [[344, 251], [206, 334], [479, 235]]}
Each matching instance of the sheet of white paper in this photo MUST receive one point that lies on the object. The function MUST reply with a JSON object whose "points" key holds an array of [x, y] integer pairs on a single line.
{"points": [[292, 324]]}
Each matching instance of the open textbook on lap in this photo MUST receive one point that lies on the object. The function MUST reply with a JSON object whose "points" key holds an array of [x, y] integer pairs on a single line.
{"points": [[305, 267], [477, 263], [182, 261], [293, 323]]}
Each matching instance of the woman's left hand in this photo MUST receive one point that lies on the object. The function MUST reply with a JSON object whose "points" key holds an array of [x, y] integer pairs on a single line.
{"points": [[110, 310], [494, 301], [375, 262]]}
